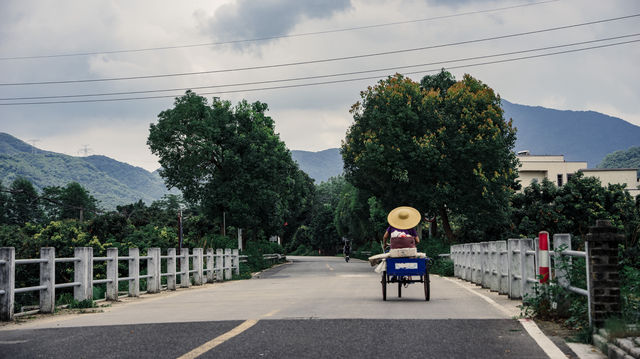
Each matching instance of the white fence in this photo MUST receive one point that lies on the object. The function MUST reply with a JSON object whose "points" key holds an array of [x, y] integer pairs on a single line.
{"points": [[199, 267], [511, 267]]}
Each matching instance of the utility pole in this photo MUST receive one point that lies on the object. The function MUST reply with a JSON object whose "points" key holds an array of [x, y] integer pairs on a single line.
{"points": [[33, 144], [179, 230], [224, 223], [85, 150]]}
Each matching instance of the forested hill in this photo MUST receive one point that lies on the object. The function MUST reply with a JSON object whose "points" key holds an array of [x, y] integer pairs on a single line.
{"points": [[578, 135], [110, 181], [319, 165]]}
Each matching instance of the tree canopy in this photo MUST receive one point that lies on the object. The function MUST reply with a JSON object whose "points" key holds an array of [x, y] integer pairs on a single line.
{"points": [[230, 160], [442, 147]]}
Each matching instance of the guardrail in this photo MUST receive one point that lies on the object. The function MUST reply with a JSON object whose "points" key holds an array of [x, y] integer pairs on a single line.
{"points": [[197, 266], [510, 267]]}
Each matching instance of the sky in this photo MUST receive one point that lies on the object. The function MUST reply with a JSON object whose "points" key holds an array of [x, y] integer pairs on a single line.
{"points": [[105, 47]]}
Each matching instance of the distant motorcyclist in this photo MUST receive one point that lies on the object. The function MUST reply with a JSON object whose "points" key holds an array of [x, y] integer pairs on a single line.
{"points": [[346, 250]]}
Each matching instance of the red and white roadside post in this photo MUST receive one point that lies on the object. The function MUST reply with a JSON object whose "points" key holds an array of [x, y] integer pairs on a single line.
{"points": [[543, 256]]}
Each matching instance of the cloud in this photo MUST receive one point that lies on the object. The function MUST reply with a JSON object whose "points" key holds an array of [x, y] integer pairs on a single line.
{"points": [[248, 19]]}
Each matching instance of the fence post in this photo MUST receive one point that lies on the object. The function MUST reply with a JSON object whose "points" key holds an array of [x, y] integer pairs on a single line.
{"points": [[475, 263], [210, 270], [561, 271], [543, 256], [112, 274], [197, 266], [83, 273], [236, 261], [485, 271], [184, 268], [153, 268], [7, 282], [493, 263], [134, 272], [514, 268], [227, 264], [503, 267], [219, 273], [171, 269], [452, 256], [604, 279], [48, 279]]}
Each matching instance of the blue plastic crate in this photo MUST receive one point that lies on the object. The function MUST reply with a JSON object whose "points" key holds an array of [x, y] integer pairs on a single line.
{"points": [[406, 266]]}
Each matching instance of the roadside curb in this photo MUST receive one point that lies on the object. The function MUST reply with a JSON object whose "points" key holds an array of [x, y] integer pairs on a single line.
{"points": [[617, 348]]}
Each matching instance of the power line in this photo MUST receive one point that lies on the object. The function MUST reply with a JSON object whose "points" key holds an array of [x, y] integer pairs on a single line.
{"points": [[322, 60], [230, 42], [317, 76], [326, 82]]}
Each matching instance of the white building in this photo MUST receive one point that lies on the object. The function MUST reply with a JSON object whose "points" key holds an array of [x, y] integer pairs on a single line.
{"points": [[557, 170]]}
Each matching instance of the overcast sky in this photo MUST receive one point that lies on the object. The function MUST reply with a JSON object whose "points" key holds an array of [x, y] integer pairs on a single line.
{"points": [[309, 118]]}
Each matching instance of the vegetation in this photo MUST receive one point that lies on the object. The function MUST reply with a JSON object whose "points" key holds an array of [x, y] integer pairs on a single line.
{"points": [[111, 182], [573, 208], [230, 162], [440, 146], [622, 159]]}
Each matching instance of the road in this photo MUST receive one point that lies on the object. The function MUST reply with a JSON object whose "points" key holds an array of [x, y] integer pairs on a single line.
{"points": [[312, 307]]}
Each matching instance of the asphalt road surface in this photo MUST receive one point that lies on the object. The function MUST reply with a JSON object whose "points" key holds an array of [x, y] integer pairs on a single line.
{"points": [[312, 307]]}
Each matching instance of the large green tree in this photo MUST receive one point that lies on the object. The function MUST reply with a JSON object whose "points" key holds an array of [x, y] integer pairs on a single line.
{"points": [[442, 147], [230, 161]]}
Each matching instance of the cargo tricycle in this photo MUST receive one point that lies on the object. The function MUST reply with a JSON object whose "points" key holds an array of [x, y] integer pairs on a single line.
{"points": [[405, 271]]}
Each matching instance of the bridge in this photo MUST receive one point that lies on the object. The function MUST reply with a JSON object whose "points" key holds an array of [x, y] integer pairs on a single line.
{"points": [[309, 307]]}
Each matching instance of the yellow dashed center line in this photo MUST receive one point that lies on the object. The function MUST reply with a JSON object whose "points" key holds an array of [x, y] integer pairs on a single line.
{"points": [[328, 266], [219, 340]]}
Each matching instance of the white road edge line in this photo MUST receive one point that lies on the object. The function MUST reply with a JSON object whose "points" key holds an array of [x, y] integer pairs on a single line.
{"points": [[543, 342], [219, 340], [529, 325]]}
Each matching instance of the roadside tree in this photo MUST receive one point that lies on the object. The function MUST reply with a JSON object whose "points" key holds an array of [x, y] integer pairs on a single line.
{"points": [[228, 160], [445, 149]]}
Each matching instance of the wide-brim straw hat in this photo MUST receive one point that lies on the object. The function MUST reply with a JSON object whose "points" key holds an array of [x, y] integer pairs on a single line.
{"points": [[404, 217]]}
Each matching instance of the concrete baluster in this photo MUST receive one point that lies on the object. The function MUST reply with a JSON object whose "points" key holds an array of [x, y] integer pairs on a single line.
{"points": [[561, 264], [184, 268], [503, 267], [112, 274], [134, 272], [219, 272], [7, 282], [48, 279], [153, 269], [492, 262], [171, 269], [227, 264], [211, 272], [197, 266], [236, 261], [83, 273], [515, 290]]}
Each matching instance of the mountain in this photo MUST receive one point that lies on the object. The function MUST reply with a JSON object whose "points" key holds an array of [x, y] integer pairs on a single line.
{"points": [[578, 135], [111, 182], [319, 165]]}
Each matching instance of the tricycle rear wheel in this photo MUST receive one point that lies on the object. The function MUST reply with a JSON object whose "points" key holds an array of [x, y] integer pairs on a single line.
{"points": [[427, 287], [384, 285]]}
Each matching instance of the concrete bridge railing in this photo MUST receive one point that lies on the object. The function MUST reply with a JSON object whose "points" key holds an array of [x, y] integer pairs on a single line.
{"points": [[181, 270], [513, 267]]}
